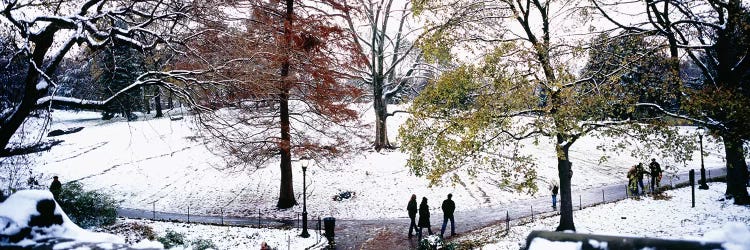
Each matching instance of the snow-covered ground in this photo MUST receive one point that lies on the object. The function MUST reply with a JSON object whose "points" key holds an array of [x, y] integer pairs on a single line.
{"points": [[160, 163], [233, 237], [672, 218], [24, 223]]}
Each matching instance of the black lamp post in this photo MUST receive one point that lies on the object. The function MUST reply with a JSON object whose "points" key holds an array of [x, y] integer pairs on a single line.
{"points": [[703, 184], [304, 234]]}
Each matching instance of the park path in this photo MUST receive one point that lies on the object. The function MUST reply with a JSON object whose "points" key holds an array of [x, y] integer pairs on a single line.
{"points": [[392, 233]]}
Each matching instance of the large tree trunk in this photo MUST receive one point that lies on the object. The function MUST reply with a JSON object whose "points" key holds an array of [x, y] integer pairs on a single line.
{"points": [[674, 76], [286, 191], [381, 130], [736, 170], [564, 172], [728, 52], [381, 114], [674, 62], [146, 101], [31, 94]]}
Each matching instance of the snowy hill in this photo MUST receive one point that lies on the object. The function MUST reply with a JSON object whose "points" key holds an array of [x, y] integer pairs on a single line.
{"points": [[159, 163]]}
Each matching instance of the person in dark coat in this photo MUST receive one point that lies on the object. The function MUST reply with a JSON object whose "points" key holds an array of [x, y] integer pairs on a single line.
{"points": [[639, 174], [412, 209], [555, 189], [424, 217], [448, 208], [55, 188], [655, 174]]}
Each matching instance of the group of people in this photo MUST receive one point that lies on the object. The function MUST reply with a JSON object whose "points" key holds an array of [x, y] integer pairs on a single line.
{"points": [[635, 180], [635, 177], [448, 207]]}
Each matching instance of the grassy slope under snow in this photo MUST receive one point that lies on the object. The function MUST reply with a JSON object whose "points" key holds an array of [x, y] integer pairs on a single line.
{"points": [[158, 160]]}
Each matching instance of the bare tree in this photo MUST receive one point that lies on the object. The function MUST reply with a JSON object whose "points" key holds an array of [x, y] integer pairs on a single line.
{"points": [[50, 31], [386, 36]]}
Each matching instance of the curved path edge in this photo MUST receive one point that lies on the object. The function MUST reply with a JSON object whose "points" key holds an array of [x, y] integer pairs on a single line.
{"points": [[392, 233]]}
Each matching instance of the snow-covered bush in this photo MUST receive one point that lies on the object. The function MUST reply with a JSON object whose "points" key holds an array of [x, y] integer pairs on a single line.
{"points": [[87, 208], [434, 242], [172, 239], [203, 244]]}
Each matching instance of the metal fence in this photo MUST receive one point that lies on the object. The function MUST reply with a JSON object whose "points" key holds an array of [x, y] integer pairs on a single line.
{"points": [[259, 220], [582, 199]]}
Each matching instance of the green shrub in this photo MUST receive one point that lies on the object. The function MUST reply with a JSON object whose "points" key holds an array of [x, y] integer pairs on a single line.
{"points": [[434, 242], [142, 230], [203, 244], [87, 208], [172, 239]]}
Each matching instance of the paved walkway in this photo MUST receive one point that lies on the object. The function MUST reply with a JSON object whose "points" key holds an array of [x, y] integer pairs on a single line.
{"points": [[391, 233]]}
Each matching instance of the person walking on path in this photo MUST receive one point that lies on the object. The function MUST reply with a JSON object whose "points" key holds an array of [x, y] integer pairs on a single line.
{"points": [[448, 208], [55, 188], [555, 189], [640, 172], [655, 169], [412, 209], [424, 218]]}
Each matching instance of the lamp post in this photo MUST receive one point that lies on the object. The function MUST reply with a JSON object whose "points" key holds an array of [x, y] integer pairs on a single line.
{"points": [[304, 234], [703, 184]]}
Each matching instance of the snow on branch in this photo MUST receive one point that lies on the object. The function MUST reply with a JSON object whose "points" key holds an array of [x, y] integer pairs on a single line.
{"points": [[146, 79], [612, 20], [527, 135], [29, 149], [590, 126], [675, 115], [86, 24]]}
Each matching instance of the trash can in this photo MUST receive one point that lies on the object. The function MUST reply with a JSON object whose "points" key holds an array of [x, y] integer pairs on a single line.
{"points": [[329, 224]]}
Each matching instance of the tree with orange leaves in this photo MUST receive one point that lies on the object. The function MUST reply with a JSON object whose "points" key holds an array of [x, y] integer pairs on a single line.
{"points": [[279, 90]]}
